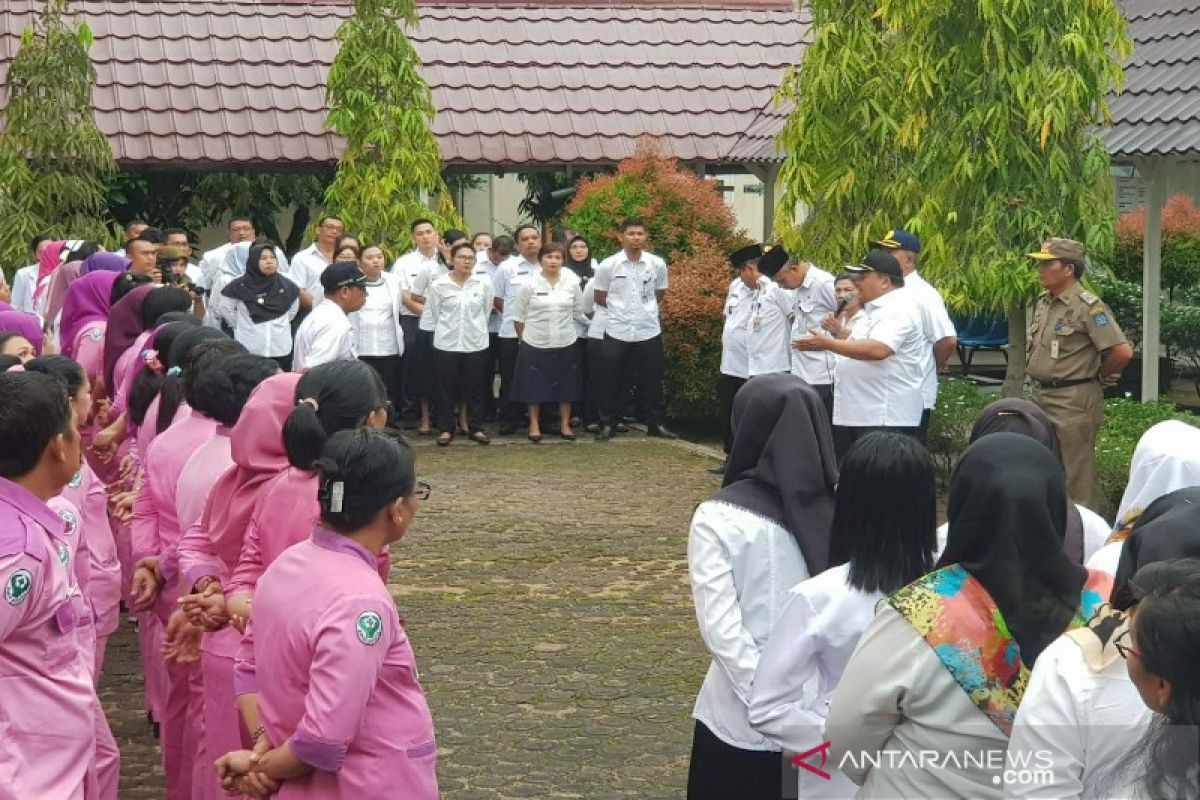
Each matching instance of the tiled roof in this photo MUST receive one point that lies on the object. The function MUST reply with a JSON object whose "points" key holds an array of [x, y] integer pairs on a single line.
{"points": [[194, 82], [1158, 113]]}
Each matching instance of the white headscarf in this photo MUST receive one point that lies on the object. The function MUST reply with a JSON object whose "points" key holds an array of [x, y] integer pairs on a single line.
{"points": [[1167, 458], [234, 265]]}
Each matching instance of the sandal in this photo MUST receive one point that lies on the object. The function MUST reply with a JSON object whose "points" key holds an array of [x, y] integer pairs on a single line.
{"points": [[445, 439], [479, 437], [535, 438]]}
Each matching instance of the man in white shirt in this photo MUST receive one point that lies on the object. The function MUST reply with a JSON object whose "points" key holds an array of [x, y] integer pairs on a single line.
{"points": [[941, 339], [735, 354], [812, 300], [327, 334], [630, 285], [410, 267], [878, 382], [241, 229], [309, 263], [487, 264], [508, 280], [25, 279], [133, 229]]}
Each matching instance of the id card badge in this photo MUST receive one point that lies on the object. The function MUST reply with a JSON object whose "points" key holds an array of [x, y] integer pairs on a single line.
{"points": [[1054, 348], [757, 323]]}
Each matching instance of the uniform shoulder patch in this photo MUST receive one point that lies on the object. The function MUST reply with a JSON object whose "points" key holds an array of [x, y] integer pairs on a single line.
{"points": [[17, 587], [69, 518], [1088, 298], [369, 627], [76, 480], [95, 334], [1100, 319]]}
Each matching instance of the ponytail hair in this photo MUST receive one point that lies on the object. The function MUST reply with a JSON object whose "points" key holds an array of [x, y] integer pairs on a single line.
{"points": [[361, 473], [223, 389], [150, 377], [330, 397]]}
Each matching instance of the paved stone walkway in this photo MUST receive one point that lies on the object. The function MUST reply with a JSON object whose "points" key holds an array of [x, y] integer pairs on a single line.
{"points": [[545, 592]]}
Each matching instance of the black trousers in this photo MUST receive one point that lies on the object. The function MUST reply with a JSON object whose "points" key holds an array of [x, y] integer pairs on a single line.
{"points": [[408, 363], [390, 369], [642, 360], [923, 428], [720, 771], [727, 387], [458, 378], [489, 374], [593, 380], [508, 349]]}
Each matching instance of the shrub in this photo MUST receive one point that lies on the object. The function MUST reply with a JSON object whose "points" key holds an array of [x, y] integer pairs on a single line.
{"points": [[958, 406], [1124, 423], [692, 326], [1181, 334], [1180, 239], [676, 205]]}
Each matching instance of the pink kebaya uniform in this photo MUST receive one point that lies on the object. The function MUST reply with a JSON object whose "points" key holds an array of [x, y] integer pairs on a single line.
{"points": [[335, 676], [47, 701], [156, 533]]}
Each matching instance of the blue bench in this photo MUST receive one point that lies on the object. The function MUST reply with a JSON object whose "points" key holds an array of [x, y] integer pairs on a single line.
{"points": [[983, 332]]}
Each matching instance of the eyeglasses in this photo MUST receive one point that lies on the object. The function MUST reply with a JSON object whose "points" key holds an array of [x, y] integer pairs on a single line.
{"points": [[422, 490], [1125, 649]]}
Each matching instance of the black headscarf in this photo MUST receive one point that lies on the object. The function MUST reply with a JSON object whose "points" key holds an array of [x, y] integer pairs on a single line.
{"points": [[581, 268], [266, 297], [1015, 415], [1169, 528], [781, 465], [1008, 516]]}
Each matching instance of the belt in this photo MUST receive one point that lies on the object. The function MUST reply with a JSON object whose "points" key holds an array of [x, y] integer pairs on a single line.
{"points": [[1057, 384]]}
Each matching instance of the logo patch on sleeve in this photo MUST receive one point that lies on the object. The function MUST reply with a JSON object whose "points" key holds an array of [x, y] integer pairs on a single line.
{"points": [[369, 627], [1100, 319], [17, 587], [69, 518], [76, 480]]}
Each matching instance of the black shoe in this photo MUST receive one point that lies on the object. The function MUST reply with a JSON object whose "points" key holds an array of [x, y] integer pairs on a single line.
{"points": [[661, 431], [719, 469], [506, 429], [606, 433]]}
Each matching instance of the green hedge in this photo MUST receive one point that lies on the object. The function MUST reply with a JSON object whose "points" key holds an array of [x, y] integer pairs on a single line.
{"points": [[960, 402]]}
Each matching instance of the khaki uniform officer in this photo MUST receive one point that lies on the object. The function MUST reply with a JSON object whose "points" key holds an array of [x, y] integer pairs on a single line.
{"points": [[1074, 348]]}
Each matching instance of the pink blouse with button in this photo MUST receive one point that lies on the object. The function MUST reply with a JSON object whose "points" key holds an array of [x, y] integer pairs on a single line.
{"points": [[46, 697], [335, 676]]}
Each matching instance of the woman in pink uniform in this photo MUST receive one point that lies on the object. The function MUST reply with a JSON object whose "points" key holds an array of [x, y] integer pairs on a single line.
{"points": [[332, 397], [326, 677], [155, 538], [47, 701]]}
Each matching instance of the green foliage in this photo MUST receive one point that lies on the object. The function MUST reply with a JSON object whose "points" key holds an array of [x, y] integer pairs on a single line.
{"points": [[1124, 423], [48, 125], [969, 122], [676, 205], [692, 327], [540, 203], [958, 406], [390, 171], [1181, 334]]}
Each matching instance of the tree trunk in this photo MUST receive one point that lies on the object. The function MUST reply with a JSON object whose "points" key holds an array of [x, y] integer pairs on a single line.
{"points": [[1014, 376], [300, 222]]}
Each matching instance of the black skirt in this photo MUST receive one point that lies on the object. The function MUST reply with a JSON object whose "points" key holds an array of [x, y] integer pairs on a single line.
{"points": [[546, 375]]}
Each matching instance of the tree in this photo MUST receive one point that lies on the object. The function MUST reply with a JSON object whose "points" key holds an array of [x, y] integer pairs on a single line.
{"points": [[970, 122], [391, 168], [54, 161]]}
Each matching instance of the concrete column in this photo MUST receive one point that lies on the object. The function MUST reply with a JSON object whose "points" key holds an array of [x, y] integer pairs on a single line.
{"points": [[1152, 172]]}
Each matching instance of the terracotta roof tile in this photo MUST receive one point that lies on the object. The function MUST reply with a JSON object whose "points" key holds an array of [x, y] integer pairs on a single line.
{"points": [[177, 80]]}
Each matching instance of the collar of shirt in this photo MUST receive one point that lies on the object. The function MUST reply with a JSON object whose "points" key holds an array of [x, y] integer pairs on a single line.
{"points": [[1067, 295], [882, 301], [313, 250], [337, 543], [24, 501]]}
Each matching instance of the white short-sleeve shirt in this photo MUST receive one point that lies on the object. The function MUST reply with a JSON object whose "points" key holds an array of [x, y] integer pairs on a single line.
{"points": [[813, 301], [632, 302], [935, 324], [767, 340], [408, 267], [508, 280], [888, 392], [549, 311], [307, 266], [459, 314], [325, 335], [735, 355], [597, 316], [485, 268]]}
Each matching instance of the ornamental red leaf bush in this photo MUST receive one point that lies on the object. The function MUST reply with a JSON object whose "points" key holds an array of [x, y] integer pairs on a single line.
{"points": [[1180, 242]]}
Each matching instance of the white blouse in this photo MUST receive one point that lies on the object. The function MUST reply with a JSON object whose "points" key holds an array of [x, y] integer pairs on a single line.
{"points": [[597, 316], [898, 704], [272, 338], [459, 314], [548, 311], [1080, 721], [742, 567], [377, 323]]}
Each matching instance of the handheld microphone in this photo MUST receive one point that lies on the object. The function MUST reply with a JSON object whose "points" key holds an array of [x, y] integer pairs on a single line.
{"points": [[841, 306]]}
